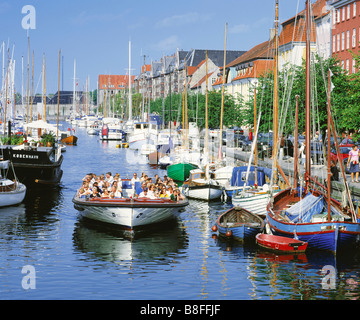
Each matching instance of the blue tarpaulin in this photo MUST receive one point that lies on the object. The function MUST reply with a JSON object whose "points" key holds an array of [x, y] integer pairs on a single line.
{"points": [[306, 208], [238, 177]]}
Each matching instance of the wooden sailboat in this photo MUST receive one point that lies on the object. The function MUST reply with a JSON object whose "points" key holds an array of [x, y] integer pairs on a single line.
{"points": [[310, 214], [179, 170], [256, 198], [200, 184]]}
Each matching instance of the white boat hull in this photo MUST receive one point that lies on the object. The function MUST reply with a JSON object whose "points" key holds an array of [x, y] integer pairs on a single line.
{"points": [[129, 215], [255, 203], [14, 197], [206, 193]]}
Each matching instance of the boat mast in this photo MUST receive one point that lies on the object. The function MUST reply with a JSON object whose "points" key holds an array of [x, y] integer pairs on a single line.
{"points": [[206, 107], [32, 87], [222, 98], [276, 94], [307, 101], [130, 97], [74, 87], [296, 134], [27, 89], [44, 98], [255, 150], [185, 115], [58, 100]]}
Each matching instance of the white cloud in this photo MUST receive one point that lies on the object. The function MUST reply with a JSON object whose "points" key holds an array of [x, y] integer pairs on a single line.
{"points": [[239, 28], [167, 44], [182, 19], [85, 17]]}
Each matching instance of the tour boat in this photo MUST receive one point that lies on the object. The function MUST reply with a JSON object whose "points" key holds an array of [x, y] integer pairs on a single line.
{"points": [[239, 224], [11, 192], [280, 244], [129, 212]]}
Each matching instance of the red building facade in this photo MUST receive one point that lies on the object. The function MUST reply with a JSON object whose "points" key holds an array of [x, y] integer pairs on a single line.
{"points": [[345, 35]]}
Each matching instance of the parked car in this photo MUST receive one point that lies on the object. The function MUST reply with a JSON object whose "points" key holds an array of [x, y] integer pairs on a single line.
{"points": [[344, 150], [265, 146], [245, 143]]}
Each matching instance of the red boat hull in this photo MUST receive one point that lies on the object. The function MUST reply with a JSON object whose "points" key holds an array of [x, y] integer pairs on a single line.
{"points": [[280, 244]]}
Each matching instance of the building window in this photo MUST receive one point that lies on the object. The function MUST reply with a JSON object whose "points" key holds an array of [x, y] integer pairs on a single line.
{"points": [[342, 40], [343, 14], [354, 11], [334, 44], [338, 42], [347, 65], [347, 39], [354, 38], [338, 15], [353, 65], [348, 11]]}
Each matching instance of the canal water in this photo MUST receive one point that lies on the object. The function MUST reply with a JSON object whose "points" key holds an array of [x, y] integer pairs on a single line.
{"points": [[47, 252]]}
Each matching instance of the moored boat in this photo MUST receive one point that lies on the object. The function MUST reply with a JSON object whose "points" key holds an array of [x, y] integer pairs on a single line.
{"points": [[11, 192], [201, 187], [69, 139], [280, 244], [239, 224], [311, 213], [40, 165], [180, 171]]}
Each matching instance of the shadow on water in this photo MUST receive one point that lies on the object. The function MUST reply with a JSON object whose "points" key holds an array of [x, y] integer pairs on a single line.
{"points": [[108, 243]]}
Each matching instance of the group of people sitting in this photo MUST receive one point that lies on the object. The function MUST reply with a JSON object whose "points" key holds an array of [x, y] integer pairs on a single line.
{"points": [[109, 186]]}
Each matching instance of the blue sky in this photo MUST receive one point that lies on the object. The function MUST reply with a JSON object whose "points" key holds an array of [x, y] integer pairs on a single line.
{"points": [[97, 33]]}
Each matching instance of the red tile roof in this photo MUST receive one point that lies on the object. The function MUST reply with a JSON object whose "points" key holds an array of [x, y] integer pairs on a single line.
{"points": [[288, 34], [261, 51], [110, 81], [191, 70], [257, 70]]}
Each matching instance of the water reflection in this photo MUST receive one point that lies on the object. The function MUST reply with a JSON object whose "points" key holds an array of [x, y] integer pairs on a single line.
{"points": [[164, 246]]}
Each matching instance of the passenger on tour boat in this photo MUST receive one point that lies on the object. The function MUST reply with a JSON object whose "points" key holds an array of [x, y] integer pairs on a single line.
{"points": [[109, 178], [95, 193], [108, 186]]}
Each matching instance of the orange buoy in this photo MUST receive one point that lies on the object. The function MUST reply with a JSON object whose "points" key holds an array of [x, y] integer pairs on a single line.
{"points": [[228, 233], [214, 228]]}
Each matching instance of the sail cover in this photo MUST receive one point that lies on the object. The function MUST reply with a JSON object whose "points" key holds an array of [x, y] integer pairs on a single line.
{"points": [[238, 177], [305, 208]]}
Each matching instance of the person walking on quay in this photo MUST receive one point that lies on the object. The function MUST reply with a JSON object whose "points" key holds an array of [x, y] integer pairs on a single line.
{"points": [[353, 163]]}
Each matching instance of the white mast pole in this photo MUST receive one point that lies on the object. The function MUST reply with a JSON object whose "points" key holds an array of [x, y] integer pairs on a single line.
{"points": [[74, 86], [130, 97]]}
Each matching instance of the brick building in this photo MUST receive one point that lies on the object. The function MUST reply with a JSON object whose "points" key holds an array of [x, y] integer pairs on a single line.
{"points": [[345, 35], [111, 85]]}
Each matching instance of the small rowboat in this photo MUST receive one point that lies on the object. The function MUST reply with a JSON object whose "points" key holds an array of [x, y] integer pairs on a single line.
{"points": [[239, 224], [280, 244]]}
